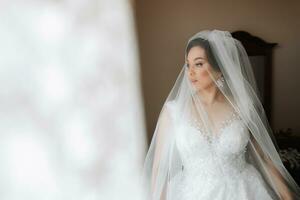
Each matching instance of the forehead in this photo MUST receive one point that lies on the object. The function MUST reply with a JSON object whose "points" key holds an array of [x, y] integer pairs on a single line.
{"points": [[196, 52]]}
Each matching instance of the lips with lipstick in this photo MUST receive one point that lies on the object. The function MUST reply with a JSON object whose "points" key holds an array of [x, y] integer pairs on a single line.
{"points": [[194, 81]]}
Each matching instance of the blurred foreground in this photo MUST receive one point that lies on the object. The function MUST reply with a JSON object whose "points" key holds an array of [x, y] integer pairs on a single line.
{"points": [[71, 118]]}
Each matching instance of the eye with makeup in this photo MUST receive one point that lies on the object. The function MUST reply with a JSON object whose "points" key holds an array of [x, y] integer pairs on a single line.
{"points": [[199, 64]]}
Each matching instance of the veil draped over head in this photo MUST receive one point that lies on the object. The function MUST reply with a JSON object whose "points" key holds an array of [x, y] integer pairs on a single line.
{"points": [[164, 162]]}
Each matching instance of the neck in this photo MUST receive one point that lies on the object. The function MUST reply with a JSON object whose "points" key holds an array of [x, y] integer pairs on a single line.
{"points": [[210, 95]]}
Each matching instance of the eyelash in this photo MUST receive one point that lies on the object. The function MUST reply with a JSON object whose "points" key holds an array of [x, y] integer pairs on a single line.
{"points": [[201, 64]]}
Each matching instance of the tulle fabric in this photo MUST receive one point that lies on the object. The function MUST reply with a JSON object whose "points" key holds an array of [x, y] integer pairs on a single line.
{"points": [[164, 161]]}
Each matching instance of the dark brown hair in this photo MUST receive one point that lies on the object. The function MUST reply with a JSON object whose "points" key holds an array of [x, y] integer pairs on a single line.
{"points": [[206, 46]]}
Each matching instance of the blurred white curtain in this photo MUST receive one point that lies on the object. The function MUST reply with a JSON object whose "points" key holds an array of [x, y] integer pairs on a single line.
{"points": [[71, 117]]}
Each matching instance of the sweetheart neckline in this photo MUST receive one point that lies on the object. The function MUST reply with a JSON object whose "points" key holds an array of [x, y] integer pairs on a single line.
{"points": [[226, 123]]}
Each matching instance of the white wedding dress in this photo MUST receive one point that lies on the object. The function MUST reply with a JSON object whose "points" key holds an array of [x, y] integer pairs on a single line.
{"points": [[216, 169]]}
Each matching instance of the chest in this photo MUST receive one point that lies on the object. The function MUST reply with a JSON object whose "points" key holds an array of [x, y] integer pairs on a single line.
{"points": [[230, 140]]}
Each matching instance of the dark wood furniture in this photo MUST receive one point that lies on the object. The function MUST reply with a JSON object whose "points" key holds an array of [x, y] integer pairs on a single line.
{"points": [[260, 54], [289, 145]]}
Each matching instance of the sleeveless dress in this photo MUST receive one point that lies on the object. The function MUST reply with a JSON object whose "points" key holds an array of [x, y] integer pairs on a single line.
{"points": [[216, 169]]}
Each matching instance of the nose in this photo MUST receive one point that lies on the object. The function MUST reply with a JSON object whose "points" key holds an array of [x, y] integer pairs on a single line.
{"points": [[191, 71]]}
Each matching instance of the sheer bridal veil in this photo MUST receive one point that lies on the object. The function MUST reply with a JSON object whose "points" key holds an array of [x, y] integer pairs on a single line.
{"points": [[184, 104]]}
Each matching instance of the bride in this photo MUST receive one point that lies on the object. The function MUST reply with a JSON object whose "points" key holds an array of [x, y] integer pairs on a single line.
{"points": [[212, 140]]}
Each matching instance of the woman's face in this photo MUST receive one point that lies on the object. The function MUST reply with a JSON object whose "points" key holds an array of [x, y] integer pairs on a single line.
{"points": [[199, 69]]}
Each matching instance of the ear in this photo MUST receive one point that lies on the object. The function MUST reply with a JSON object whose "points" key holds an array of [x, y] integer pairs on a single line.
{"points": [[217, 74]]}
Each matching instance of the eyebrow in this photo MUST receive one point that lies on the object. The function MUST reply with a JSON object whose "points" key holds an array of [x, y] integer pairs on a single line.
{"points": [[197, 58]]}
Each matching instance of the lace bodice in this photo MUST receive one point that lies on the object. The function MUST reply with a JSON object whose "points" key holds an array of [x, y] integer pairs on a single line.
{"points": [[214, 167], [220, 154]]}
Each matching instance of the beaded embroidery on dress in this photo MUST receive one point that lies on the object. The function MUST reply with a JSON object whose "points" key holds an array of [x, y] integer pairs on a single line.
{"points": [[237, 160], [202, 177]]}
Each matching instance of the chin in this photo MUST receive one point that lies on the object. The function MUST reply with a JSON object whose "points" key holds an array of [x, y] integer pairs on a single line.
{"points": [[199, 88]]}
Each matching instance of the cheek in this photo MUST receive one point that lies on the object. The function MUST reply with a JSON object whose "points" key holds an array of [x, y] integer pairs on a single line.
{"points": [[203, 75], [204, 78]]}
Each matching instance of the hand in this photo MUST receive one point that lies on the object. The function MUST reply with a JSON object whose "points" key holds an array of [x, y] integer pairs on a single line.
{"points": [[286, 195]]}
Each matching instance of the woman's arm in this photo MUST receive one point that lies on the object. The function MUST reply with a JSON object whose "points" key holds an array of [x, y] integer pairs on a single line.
{"points": [[280, 182], [160, 160]]}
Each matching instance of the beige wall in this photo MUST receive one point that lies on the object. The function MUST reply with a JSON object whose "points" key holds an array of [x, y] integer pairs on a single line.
{"points": [[164, 26]]}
